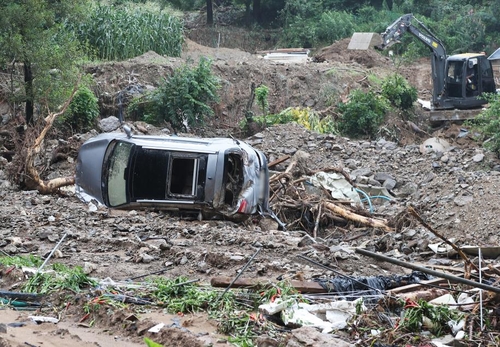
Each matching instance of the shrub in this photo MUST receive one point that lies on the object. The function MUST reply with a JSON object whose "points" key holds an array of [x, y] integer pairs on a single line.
{"points": [[399, 92], [82, 111], [362, 114], [183, 99], [488, 124]]}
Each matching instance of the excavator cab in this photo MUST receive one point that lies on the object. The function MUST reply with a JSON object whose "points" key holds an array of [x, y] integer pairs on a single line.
{"points": [[467, 76]]}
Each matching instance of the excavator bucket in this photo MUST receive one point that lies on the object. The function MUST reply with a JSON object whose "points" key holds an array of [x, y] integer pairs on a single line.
{"points": [[364, 41]]}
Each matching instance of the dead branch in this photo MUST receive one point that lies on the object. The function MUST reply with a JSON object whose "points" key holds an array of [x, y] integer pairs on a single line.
{"points": [[468, 263], [34, 181], [349, 215]]}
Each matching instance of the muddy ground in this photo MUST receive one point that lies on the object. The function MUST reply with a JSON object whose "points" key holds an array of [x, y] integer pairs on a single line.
{"points": [[456, 192]]}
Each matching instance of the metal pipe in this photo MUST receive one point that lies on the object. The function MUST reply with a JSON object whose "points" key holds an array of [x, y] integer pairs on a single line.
{"points": [[427, 271], [239, 274], [50, 255]]}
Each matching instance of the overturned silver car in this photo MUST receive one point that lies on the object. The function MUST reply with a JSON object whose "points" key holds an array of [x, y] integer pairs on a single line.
{"points": [[214, 177]]}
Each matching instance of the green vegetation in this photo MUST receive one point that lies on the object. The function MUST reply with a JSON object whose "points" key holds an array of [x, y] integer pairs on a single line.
{"points": [[261, 93], [83, 110], [434, 318], [20, 261], [362, 114], [183, 100], [399, 92], [303, 116], [32, 35], [63, 278], [232, 311], [116, 33], [151, 343], [488, 124]]}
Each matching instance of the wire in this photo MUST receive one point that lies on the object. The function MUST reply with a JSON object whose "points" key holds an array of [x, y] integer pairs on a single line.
{"points": [[367, 198]]}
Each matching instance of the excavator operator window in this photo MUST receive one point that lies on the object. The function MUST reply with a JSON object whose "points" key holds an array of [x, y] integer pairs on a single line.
{"points": [[454, 78]]}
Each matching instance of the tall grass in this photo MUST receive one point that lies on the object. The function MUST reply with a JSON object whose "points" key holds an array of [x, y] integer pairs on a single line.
{"points": [[126, 32]]}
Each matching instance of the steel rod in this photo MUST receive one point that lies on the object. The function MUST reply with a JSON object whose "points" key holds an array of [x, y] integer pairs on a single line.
{"points": [[428, 271]]}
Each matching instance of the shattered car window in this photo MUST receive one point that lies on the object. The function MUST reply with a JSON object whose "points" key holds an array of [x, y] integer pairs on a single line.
{"points": [[116, 178]]}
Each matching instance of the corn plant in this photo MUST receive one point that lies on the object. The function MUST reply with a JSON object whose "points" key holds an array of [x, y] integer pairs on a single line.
{"points": [[126, 32]]}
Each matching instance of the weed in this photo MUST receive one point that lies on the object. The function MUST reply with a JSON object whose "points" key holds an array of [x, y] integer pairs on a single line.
{"points": [[303, 116], [63, 278], [20, 261]]}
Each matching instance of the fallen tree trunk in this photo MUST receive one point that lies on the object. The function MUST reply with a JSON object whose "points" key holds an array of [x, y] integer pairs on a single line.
{"points": [[33, 180], [372, 222]]}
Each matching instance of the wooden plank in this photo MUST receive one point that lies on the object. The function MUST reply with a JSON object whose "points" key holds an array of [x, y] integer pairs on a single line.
{"points": [[416, 286], [301, 286]]}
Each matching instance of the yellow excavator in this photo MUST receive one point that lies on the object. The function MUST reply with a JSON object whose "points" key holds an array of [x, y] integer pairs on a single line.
{"points": [[458, 80]]}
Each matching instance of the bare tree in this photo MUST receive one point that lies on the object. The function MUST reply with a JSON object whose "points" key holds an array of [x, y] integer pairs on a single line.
{"points": [[210, 13]]}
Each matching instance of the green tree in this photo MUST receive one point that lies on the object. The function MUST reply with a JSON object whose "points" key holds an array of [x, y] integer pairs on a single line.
{"points": [[31, 34]]}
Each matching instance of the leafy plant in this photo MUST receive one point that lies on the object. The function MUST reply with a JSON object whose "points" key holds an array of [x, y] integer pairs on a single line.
{"points": [[20, 261], [82, 111], [151, 343], [436, 318], [399, 92], [362, 114], [488, 123], [179, 297], [183, 99], [303, 116], [261, 93]]}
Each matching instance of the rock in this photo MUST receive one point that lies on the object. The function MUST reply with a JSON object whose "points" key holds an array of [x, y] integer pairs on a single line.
{"points": [[3, 329], [389, 183], [361, 172], [478, 158], [383, 176], [109, 124], [145, 258], [463, 200], [10, 249], [308, 336], [306, 240], [434, 145], [89, 267]]}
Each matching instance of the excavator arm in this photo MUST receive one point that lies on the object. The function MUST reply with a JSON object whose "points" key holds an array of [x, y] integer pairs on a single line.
{"points": [[438, 57]]}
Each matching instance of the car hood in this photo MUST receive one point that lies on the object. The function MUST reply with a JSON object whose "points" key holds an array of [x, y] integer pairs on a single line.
{"points": [[88, 177]]}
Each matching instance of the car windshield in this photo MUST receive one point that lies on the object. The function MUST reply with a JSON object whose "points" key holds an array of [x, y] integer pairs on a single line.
{"points": [[116, 179]]}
